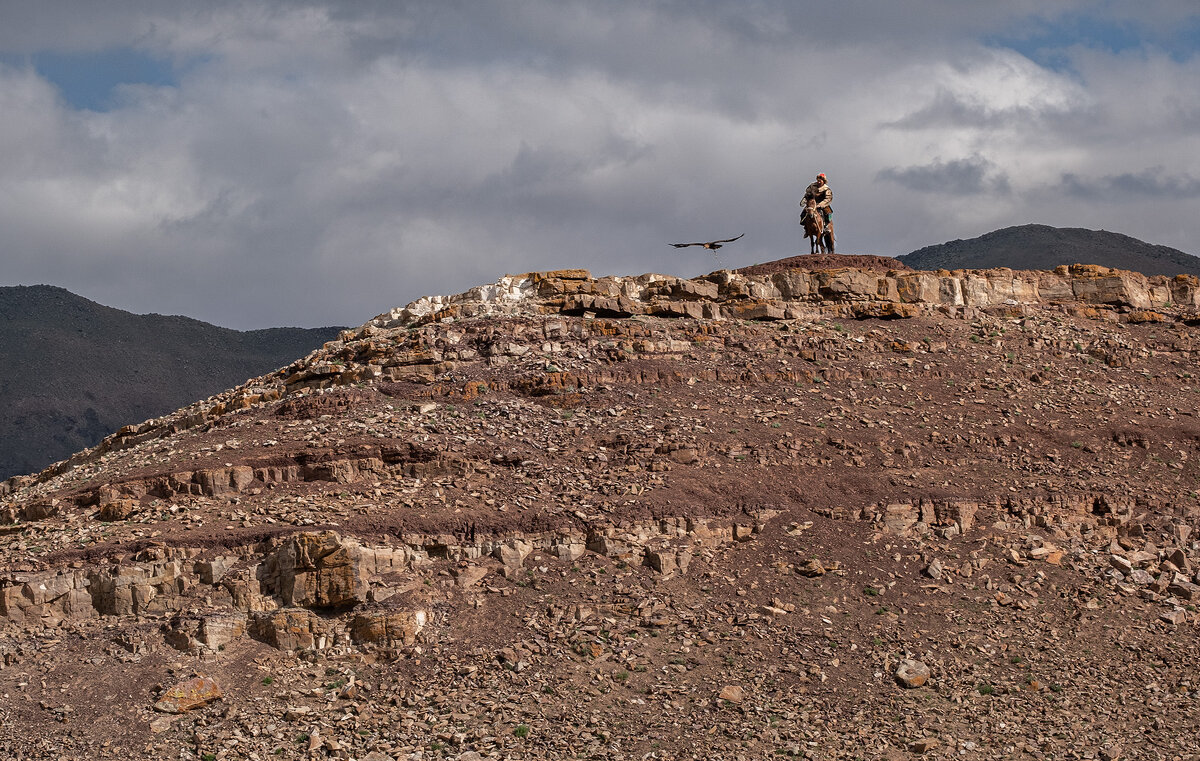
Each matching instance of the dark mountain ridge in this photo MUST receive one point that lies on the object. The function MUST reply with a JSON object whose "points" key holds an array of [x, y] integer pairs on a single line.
{"points": [[73, 371], [1041, 247]]}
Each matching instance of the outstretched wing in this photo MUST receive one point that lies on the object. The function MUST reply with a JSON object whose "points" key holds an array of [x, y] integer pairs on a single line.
{"points": [[710, 244]]}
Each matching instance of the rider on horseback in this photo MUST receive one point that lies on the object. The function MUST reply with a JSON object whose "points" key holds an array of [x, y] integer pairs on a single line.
{"points": [[822, 194], [818, 198]]}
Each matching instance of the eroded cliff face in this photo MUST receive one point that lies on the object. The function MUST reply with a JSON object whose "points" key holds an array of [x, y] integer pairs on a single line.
{"points": [[800, 294], [549, 481]]}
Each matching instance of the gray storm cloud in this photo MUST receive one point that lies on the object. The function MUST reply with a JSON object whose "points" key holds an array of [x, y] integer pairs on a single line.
{"points": [[317, 163], [968, 176], [1148, 185]]}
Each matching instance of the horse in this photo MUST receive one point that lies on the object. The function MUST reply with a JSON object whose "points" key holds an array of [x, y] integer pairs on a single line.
{"points": [[814, 228]]}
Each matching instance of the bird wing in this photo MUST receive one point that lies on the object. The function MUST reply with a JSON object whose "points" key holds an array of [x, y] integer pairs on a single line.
{"points": [[728, 240], [684, 245]]}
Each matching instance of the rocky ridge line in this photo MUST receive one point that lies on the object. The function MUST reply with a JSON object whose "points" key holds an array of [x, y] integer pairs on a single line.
{"points": [[363, 355], [584, 466]]}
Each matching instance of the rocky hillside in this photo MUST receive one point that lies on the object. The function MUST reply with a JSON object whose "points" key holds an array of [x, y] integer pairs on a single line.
{"points": [[1043, 247], [806, 514], [73, 371]]}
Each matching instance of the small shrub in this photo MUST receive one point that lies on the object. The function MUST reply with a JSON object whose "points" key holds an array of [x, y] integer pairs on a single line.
{"points": [[522, 730], [870, 591], [985, 689], [268, 680]]}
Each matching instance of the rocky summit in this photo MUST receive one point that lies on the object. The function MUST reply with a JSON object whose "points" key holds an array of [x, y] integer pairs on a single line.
{"points": [[794, 512]]}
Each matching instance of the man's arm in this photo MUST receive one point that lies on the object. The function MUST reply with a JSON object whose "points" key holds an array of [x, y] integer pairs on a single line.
{"points": [[826, 198]]}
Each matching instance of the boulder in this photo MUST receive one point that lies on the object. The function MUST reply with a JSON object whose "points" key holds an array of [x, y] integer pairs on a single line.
{"points": [[1094, 284], [317, 570], [469, 576], [662, 560], [512, 553], [189, 694], [911, 673], [388, 627], [848, 285], [211, 632], [47, 598], [151, 588], [918, 287], [291, 629], [811, 568], [934, 569], [899, 518], [570, 551], [118, 510]]}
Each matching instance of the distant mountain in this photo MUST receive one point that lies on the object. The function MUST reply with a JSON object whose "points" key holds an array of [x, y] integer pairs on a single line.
{"points": [[73, 371], [1040, 247]]}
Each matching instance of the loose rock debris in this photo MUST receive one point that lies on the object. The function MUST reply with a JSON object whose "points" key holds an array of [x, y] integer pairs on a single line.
{"points": [[807, 513]]}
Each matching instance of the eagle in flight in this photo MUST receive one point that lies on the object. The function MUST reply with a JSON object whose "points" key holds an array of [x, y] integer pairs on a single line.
{"points": [[712, 245]]}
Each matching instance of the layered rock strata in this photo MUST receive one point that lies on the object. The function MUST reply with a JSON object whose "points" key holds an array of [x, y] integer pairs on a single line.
{"points": [[635, 516]]}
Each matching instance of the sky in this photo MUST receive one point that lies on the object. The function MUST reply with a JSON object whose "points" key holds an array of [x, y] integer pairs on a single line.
{"points": [[260, 163]]}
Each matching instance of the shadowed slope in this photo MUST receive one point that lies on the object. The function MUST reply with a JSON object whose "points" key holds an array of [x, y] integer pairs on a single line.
{"points": [[73, 371], [1034, 247]]}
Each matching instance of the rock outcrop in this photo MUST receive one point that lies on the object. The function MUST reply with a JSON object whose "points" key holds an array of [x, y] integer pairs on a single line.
{"points": [[559, 516]]}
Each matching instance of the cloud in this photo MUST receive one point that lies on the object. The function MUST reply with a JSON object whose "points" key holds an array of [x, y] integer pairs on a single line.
{"points": [[956, 177], [947, 110], [1149, 184], [320, 162]]}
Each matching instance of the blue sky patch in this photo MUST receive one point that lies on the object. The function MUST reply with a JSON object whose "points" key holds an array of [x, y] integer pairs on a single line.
{"points": [[1046, 41], [88, 80]]}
